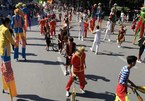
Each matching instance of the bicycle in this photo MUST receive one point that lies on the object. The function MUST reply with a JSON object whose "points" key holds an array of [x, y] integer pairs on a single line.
{"points": [[54, 44]]}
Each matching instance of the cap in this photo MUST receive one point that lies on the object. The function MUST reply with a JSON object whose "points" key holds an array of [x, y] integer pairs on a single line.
{"points": [[99, 4], [115, 4]]}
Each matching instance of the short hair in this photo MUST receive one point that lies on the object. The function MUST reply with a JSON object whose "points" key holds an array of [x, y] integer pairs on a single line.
{"points": [[71, 39], [131, 59], [97, 27], [5, 20]]}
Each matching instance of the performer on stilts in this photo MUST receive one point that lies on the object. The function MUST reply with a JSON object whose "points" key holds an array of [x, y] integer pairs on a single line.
{"points": [[5, 52], [17, 24]]}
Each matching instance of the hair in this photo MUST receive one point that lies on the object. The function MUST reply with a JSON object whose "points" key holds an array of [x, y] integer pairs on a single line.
{"points": [[5, 20], [97, 27], [71, 39], [131, 59]]}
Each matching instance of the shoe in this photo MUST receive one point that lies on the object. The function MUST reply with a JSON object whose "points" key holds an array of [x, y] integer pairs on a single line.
{"points": [[139, 61], [96, 53], [66, 73], [67, 93], [91, 49], [109, 40], [82, 91], [119, 46]]}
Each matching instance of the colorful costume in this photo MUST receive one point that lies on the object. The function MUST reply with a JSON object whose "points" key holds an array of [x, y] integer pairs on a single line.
{"points": [[86, 25], [42, 24], [6, 69], [52, 25], [78, 69], [139, 31], [17, 24], [92, 24]]}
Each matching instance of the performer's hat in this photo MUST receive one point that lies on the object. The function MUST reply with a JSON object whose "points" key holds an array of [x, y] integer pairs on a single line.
{"points": [[17, 5], [24, 5], [99, 4], [115, 4], [20, 3]]}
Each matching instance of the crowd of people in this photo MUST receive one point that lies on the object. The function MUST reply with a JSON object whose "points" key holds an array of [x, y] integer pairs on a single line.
{"points": [[88, 21]]}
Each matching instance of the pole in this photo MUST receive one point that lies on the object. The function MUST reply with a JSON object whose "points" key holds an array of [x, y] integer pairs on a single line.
{"points": [[144, 2]]}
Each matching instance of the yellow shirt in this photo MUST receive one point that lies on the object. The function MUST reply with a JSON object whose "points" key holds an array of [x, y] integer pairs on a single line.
{"points": [[5, 40]]}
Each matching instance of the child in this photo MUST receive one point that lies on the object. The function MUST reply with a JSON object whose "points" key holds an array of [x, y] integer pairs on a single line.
{"points": [[121, 35], [96, 42], [121, 89], [108, 30]]}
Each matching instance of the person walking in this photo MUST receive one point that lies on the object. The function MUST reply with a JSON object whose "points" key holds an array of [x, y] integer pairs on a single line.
{"points": [[70, 49], [78, 68], [108, 30], [17, 24], [97, 40], [141, 48], [123, 80], [5, 52]]}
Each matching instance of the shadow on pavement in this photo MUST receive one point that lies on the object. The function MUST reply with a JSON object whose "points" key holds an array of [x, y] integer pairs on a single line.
{"points": [[32, 38], [43, 62], [110, 54], [96, 77], [107, 96], [33, 98], [31, 44]]}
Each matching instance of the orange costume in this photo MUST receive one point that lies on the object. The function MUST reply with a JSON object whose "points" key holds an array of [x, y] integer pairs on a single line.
{"points": [[86, 25], [52, 27], [92, 24], [42, 24]]}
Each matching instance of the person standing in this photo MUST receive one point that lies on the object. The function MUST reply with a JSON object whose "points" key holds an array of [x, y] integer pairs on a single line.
{"points": [[81, 32], [86, 25], [70, 49], [123, 80], [97, 40], [78, 68], [17, 24], [5, 53]]}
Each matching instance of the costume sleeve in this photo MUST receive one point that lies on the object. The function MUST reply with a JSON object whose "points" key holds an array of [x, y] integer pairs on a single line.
{"points": [[9, 37], [12, 22]]}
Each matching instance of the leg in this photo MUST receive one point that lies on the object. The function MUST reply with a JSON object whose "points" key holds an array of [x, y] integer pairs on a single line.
{"points": [[23, 46], [93, 46], [70, 81], [97, 48], [105, 34], [81, 78], [16, 49]]}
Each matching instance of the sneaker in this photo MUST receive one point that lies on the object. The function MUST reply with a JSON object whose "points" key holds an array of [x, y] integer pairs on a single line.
{"points": [[139, 61], [91, 49], [67, 93], [66, 73], [96, 53], [82, 91], [109, 40], [119, 46]]}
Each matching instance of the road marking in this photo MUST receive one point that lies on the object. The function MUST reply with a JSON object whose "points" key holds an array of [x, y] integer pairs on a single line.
{"points": [[125, 61], [61, 65]]}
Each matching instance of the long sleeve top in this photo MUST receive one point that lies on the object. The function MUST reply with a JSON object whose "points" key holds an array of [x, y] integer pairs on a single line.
{"points": [[5, 40]]}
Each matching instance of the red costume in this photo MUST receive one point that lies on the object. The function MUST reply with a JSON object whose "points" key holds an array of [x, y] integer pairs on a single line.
{"points": [[78, 69], [86, 28], [42, 24], [52, 27], [92, 24]]}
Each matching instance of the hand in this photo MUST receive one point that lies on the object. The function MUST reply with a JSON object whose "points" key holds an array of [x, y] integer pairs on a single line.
{"points": [[73, 75]]}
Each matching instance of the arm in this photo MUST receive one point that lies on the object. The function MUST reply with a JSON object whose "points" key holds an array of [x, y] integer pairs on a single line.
{"points": [[9, 37]]}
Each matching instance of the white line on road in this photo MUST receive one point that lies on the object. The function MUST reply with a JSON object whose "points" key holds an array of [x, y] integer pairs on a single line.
{"points": [[61, 65], [125, 61]]}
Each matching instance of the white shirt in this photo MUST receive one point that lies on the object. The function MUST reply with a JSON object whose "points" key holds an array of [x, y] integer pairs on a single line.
{"points": [[122, 14], [97, 36], [81, 25], [109, 25]]}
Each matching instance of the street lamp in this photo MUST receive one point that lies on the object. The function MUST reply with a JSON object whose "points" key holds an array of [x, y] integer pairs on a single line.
{"points": [[144, 2]]}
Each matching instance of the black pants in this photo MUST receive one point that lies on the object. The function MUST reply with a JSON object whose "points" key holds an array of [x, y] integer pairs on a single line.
{"points": [[141, 50]]}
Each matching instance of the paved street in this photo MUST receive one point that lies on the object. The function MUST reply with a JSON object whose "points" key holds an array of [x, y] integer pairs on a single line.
{"points": [[41, 77]]}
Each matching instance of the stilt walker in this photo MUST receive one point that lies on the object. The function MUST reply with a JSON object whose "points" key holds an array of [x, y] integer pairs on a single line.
{"points": [[5, 52], [17, 24]]}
